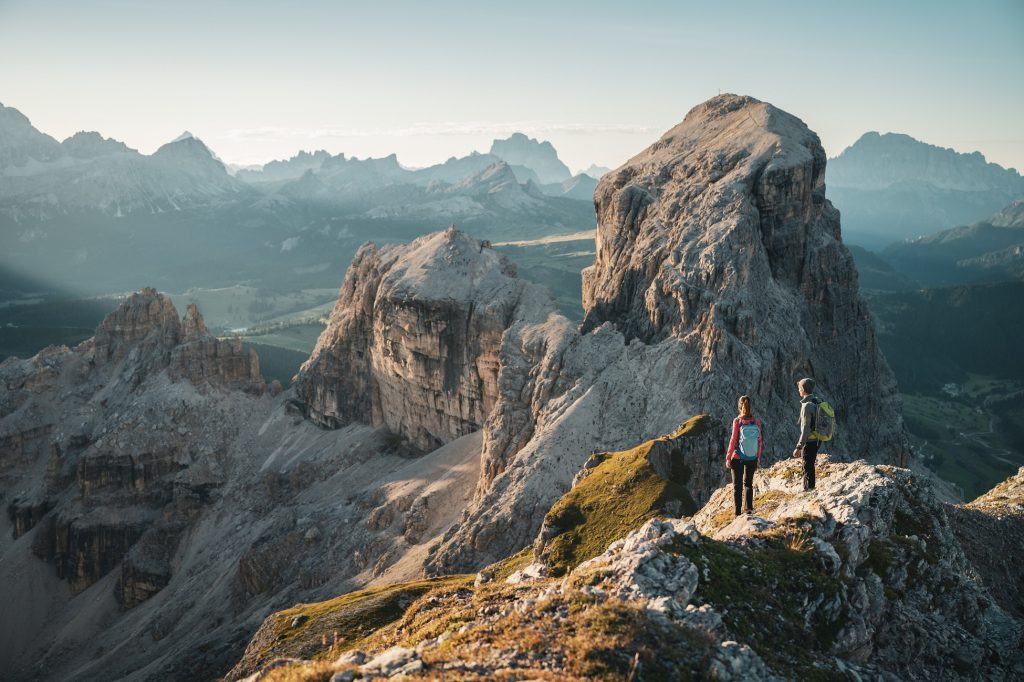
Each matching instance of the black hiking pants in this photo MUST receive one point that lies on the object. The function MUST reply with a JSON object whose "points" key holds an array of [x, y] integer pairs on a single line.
{"points": [[743, 478], [810, 455]]}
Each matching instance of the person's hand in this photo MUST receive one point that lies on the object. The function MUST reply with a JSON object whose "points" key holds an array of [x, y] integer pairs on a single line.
{"points": [[798, 452], [727, 467]]}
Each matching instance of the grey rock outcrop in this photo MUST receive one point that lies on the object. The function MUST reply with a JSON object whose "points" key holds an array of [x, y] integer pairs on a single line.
{"points": [[719, 272], [109, 475], [905, 596], [147, 324], [412, 343]]}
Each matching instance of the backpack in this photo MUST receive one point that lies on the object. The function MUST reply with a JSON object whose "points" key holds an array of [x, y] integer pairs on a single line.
{"points": [[750, 434], [824, 422]]}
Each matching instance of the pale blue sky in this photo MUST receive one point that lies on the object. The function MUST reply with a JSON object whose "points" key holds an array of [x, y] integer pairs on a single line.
{"points": [[260, 80]]}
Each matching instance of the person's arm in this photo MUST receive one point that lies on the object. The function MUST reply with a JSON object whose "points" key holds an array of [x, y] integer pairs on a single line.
{"points": [[734, 440], [760, 439], [805, 423]]}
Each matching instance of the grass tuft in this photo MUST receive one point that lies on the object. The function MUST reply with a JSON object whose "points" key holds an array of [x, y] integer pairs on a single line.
{"points": [[617, 496]]}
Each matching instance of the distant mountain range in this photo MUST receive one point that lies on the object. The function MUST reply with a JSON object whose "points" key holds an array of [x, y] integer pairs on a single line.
{"points": [[43, 178], [93, 215], [890, 187], [988, 250]]}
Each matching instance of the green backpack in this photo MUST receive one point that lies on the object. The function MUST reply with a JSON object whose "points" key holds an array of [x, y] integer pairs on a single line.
{"points": [[824, 422]]}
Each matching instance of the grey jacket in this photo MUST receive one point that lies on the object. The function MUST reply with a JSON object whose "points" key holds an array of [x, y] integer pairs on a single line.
{"points": [[808, 413]]}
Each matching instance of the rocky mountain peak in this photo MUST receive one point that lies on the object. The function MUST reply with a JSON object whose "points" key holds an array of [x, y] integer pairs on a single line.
{"points": [[192, 325], [595, 171], [20, 142], [737, 175], [189, 149], [90, 144], [145, 318], [494, 178], [413, 341], [540, 157], [146, 331], [9, 116], [879, 160], [719, 235]]}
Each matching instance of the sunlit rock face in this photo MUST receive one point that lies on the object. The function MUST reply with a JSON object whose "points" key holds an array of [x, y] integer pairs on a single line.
{"points": [[719, 272], [412, 343]]}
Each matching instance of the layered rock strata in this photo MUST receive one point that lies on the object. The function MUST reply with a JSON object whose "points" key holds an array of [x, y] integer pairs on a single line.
{"points": [[412, 343]]}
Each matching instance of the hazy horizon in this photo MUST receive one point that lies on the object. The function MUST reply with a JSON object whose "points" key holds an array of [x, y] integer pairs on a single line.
{"points": [[259, 82]]}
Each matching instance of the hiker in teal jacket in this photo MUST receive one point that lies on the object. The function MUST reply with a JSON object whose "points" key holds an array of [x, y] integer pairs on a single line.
{"points": [[744, 453]]}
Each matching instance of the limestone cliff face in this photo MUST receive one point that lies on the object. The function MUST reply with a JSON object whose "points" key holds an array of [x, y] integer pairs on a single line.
{"points": [[412, 343], [719, 235], [719, 272]]}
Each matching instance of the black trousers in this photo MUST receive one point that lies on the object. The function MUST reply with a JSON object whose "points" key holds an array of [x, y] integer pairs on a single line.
{"points": [[810, 455], [743, 477]]}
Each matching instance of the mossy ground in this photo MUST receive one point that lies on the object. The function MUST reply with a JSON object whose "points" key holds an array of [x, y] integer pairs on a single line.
{"points": [[583, 640], [562, 637], [319, 671], [617, 496], [320, 630]]}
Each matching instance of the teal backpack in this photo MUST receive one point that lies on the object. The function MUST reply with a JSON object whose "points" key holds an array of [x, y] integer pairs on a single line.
{"points": [[750, 434]]}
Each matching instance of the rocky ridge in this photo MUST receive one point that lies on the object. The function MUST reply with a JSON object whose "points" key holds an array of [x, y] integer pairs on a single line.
{"points": [[865, 573], [892, 187]]}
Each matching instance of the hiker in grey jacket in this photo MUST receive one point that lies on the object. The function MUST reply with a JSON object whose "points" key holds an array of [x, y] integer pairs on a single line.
{"points": [[807, 447]]}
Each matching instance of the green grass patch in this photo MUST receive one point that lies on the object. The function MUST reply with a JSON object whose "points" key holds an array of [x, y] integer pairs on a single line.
{"points": [[972, 462], [968, 465], [618, 495], [313, 631], [943, 416]]}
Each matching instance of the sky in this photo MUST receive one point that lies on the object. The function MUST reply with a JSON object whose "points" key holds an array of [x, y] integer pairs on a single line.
{"points": [[259, 80]]}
